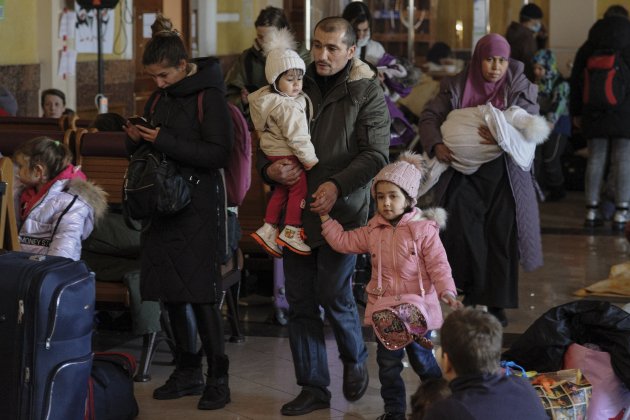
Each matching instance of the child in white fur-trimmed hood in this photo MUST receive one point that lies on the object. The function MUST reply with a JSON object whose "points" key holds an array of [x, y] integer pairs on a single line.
{"points": [[58, 206], [407, 252], [477, 135]]}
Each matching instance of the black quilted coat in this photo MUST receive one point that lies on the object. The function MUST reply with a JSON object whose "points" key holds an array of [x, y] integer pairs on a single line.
{"points": [[608, 34], [180, 254]]}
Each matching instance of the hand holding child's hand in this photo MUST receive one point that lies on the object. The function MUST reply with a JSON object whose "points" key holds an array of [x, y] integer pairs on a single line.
{"points": [[324, 198], [452, 301]]}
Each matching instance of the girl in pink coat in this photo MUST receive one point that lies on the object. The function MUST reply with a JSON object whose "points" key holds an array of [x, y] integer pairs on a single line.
{"points": [[389, 238]]}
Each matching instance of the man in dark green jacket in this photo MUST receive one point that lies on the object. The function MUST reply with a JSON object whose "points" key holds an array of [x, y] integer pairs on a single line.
{"points": [[350, 132]]}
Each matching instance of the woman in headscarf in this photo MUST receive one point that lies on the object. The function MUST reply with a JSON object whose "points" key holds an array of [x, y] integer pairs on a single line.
{"points": [[553, 99], [493, 213]]}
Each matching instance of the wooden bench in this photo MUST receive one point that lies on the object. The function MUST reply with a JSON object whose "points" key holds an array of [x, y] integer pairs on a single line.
{"points": [[73, 122], [104, 159], [8, 222], [33, 123], [11, 138]]}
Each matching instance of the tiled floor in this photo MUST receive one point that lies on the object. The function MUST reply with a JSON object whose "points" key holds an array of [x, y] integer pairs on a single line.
{"points": [[261, 372]]}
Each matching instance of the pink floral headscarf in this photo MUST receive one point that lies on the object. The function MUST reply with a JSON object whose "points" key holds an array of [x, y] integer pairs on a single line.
{"points": [[479, 91]]}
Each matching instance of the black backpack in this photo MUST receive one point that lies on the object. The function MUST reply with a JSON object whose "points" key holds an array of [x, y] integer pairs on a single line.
{"points": [[153, 185], [606, 79]]}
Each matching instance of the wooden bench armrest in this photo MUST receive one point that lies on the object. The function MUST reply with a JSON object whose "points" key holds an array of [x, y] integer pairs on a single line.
{"points": [[112, 292]]}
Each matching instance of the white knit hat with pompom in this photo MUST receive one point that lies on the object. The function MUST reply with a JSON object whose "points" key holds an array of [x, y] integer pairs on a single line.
{"points": [[407, 173], [279, 47]]}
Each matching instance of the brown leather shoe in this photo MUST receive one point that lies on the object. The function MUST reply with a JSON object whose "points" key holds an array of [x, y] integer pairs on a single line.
{"points": [[355, 380], [304, 403]]}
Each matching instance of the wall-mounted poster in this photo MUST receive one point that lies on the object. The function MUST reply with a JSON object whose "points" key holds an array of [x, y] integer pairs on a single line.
{"points": [[86, 30]]}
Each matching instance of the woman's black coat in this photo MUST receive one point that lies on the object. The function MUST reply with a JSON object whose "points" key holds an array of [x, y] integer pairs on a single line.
{"points": [[181, 254], [608, 34]]}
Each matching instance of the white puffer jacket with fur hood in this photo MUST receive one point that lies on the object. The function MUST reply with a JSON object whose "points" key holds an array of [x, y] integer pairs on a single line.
{"points": [[70, 209]]}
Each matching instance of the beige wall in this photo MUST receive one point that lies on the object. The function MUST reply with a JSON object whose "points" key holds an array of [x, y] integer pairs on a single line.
{"points": [[567, 34], [501, 14], [447, 15], [18, 33], [241, 32], [32, 27]]}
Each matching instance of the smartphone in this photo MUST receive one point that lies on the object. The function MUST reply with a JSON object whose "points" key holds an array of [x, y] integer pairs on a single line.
{"points": [[140, 121]]}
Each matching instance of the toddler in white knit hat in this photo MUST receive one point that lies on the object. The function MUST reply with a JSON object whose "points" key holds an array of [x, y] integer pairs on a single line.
{"points": [[408, 260], [279, 113]]}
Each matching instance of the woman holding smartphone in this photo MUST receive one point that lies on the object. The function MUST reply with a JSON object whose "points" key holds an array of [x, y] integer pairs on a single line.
{"points": [[181, 253]]}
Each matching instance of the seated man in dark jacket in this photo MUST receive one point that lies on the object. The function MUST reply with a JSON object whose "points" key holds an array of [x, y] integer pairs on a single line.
{"points": [[469, 358]]}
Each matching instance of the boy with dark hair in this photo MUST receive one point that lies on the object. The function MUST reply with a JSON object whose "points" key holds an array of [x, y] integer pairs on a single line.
{"points": [[469, 358]]}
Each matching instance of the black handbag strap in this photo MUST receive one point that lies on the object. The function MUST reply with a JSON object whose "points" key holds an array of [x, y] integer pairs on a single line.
{"points": [[63, 213]]}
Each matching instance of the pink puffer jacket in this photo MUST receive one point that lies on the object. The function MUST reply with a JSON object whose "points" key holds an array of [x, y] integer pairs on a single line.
{"points": [[393, 256]]}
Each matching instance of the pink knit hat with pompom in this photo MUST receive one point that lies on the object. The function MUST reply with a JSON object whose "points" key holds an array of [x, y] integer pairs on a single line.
{"points": [[407, 173]]}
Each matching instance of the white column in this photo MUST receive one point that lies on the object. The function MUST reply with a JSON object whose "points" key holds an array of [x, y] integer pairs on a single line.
{"points": [[48, 47], [481, 20], [207, 27]]}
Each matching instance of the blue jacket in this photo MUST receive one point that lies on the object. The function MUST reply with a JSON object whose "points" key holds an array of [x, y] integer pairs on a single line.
{"points": [[487, 397]]}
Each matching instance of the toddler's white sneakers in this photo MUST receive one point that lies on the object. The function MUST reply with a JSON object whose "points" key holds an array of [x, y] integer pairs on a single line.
{"points": [[293, 238], [266, 237]]}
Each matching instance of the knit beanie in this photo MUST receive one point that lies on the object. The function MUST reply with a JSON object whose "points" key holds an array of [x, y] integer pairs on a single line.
{"points": [[531, 11], [279, 47], [407, 173], [8, 104]]}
